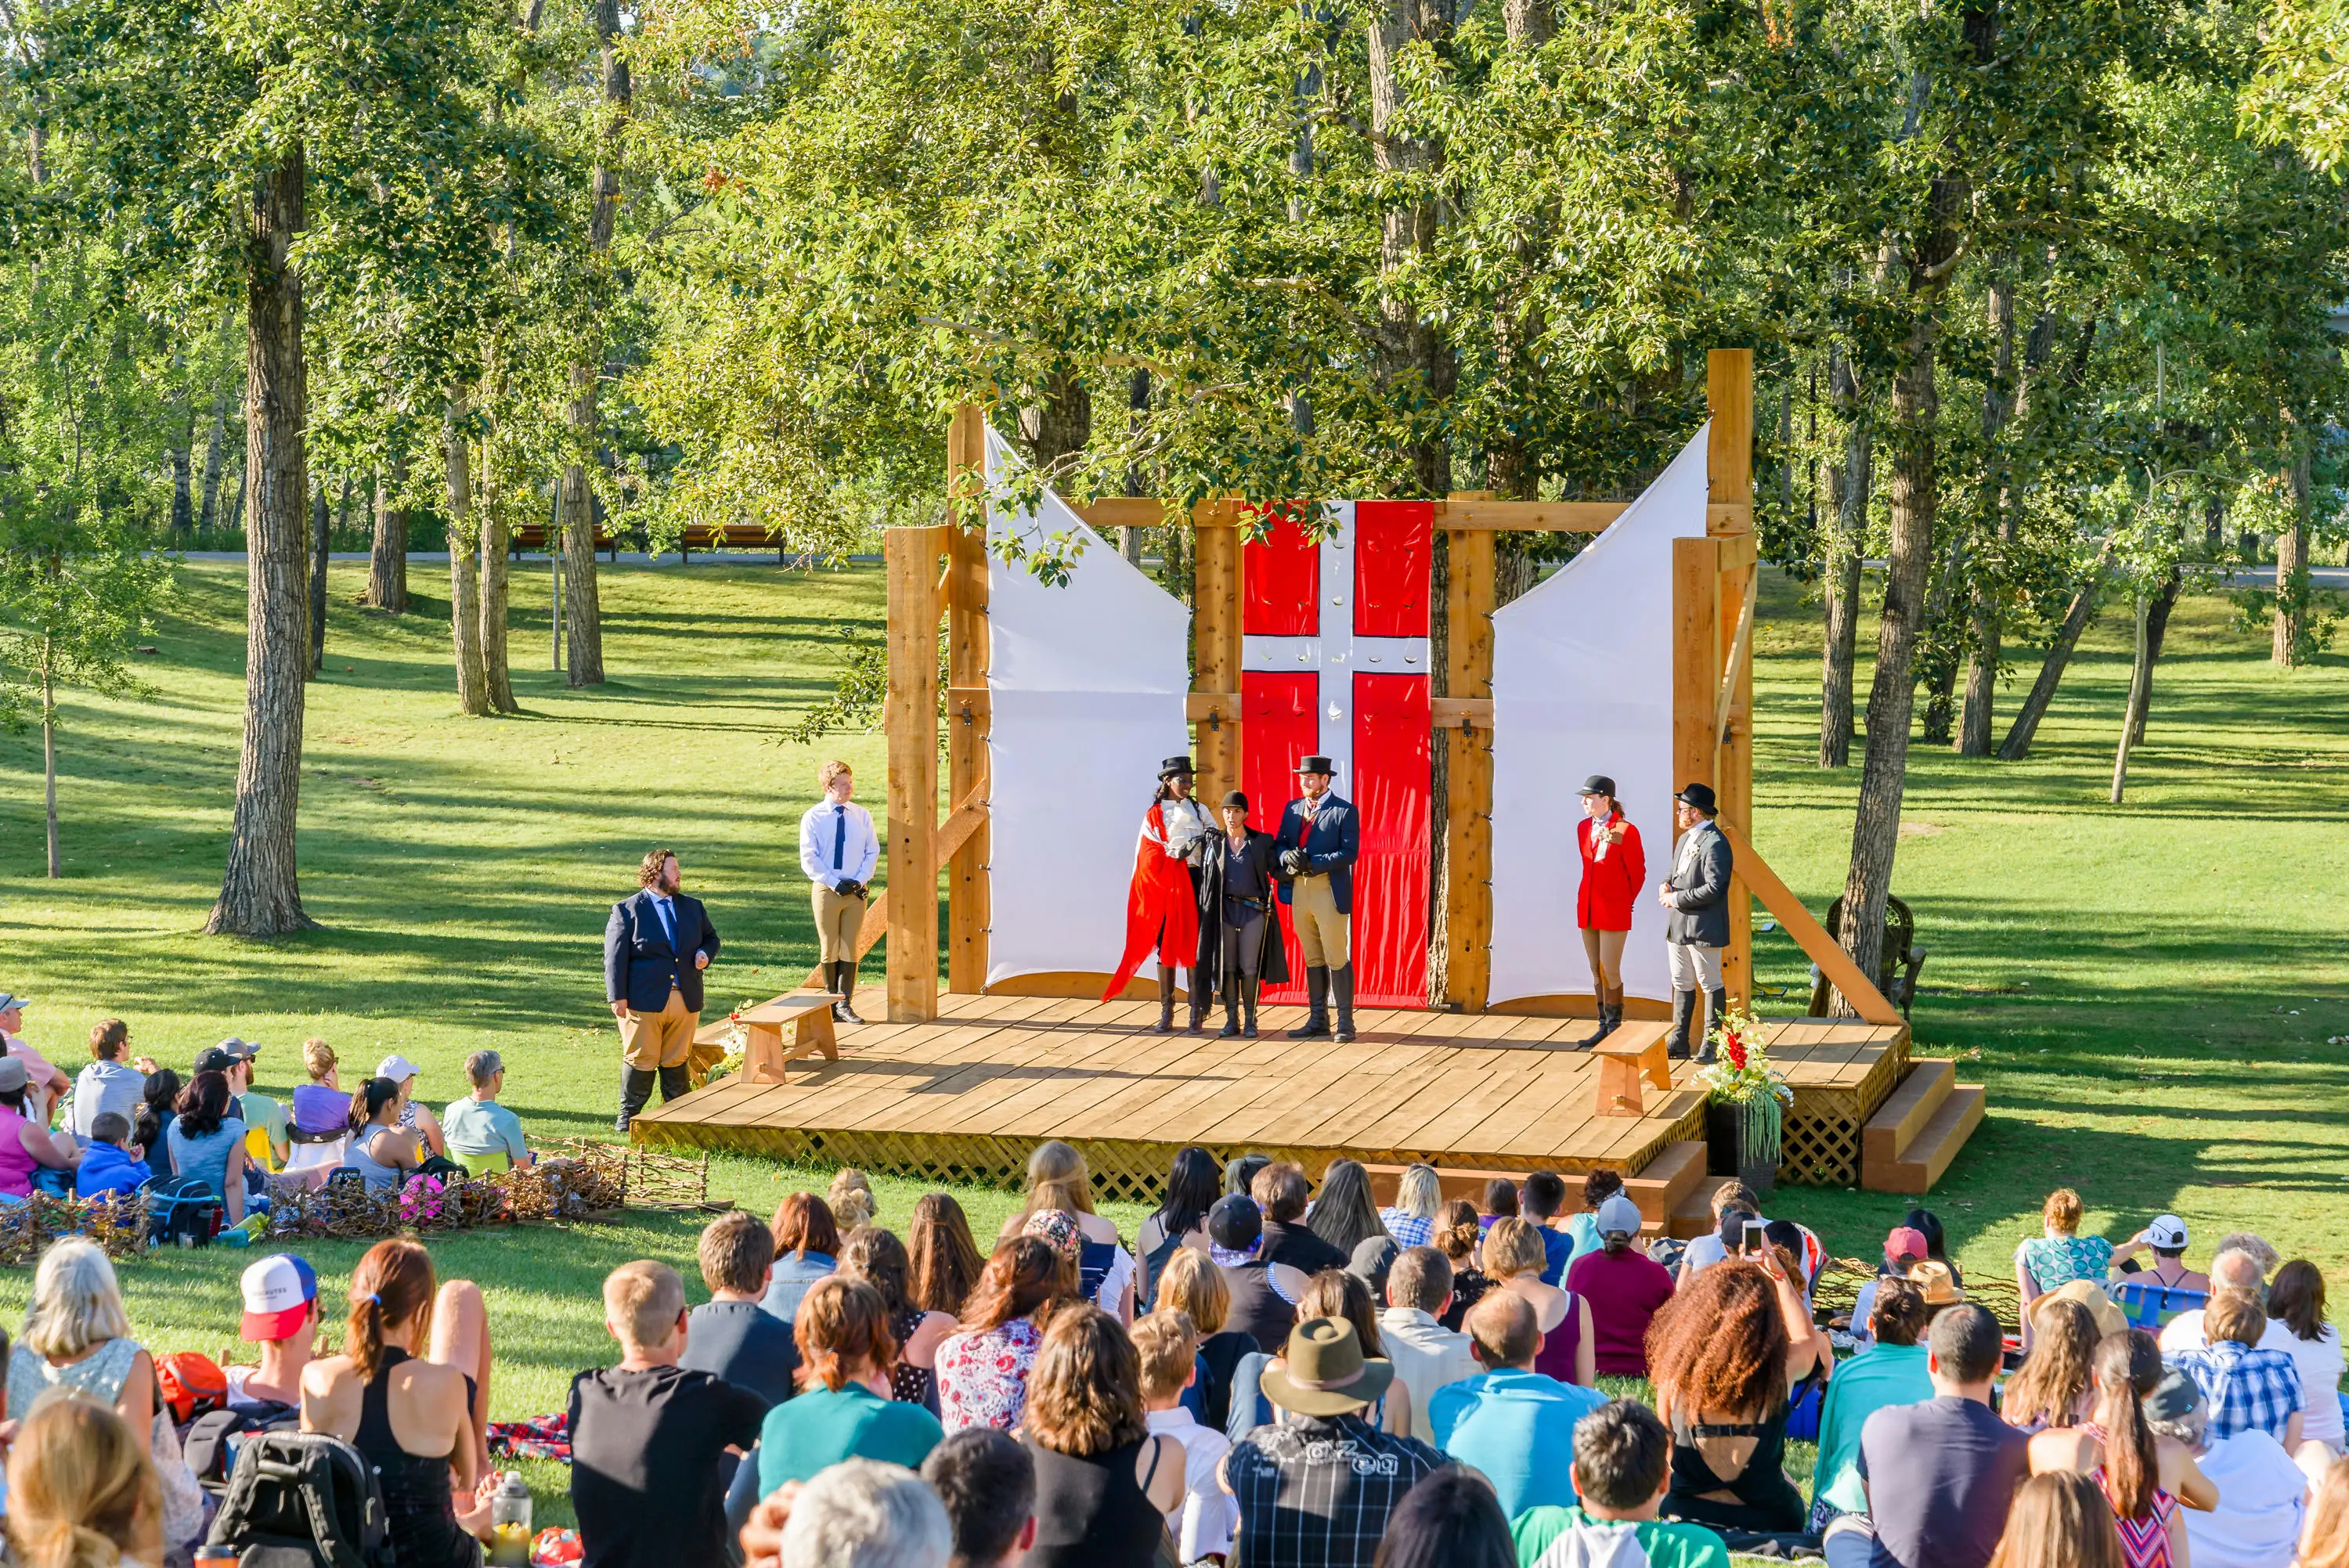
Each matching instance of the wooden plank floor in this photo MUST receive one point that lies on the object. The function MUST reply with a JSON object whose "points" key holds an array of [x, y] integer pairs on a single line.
{"points": [[971, 1092]]}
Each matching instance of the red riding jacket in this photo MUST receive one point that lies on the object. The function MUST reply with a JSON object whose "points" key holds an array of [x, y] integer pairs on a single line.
{"points": [[1611, 881]]}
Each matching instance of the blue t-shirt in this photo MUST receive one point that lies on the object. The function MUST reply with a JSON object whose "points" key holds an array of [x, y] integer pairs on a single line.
{"points": [[1516, 1427], [205, 1157], [1884, 1374], [816, 1429], [1559, 1248], [483, 1127]]}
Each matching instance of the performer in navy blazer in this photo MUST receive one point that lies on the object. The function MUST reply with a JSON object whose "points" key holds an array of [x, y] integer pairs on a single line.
{"points": [[1318, 838], [656, 946]]}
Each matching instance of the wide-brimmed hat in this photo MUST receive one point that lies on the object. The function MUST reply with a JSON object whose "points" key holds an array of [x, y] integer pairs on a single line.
{"points": [[1174, 765], [1699, 795], [1324, 1371], [1315, 765], [1598, 784], [2110, 1318], [1934, 1279]]}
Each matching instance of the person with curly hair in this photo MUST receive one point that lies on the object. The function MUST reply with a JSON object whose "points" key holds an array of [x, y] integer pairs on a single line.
{"points": [[1104, 1482], [1459, 1234], [2051, 1387], [878, 1258], [1723, 1361]]}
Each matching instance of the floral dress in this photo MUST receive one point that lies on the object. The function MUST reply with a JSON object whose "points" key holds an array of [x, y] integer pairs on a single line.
{"points": [[983, 1377]]}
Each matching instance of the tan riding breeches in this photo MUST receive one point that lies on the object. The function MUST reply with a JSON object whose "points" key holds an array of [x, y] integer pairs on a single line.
{"points": [[1322, 931]]}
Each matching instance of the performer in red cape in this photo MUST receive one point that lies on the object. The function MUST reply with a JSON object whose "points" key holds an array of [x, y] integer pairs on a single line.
{"points": [[1613, 868], [1162, 908]]}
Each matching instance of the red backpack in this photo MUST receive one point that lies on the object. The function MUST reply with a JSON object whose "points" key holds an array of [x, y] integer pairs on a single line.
{"points": [[190, 1385]]}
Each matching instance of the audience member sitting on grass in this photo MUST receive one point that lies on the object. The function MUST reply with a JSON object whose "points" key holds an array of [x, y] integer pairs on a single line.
{"points": [[1621, 1459], [2325, 1542], [81, 1491], [1940, 1474], [1181, 1218], [108, 1167], [1263, 1293], [2248, 1389], [983, 1371], [1514, 1259], [1105, 1484], [420, 1421], [844, 1408], [1723, 1362], [864, 1514], [1193, 1287], [646, 1436], [1419, 1198], [208, 1141], [1449, 1519], [110, 1082], [2053, 1389], [415, 1116], [1890, 1371], [2296, 1300], [2166, 1239], [1705, 1251], [1499, 1202], [1904, 1249], [1334, 1293], [2059, 1520], [1509, 1422], [2118, 1450], [944, 1261], [1543, 1197], [807, 1249], [1343, 1213], [1582, 1228], [850, 1197], [1426, 1354], [320, 1107], [878, 1258], [1281, 1193], [25, 1145], [281, 1317], [1058, 1178], [2262, 1495], [1623, 1288], [77, 1337], [2242, 1263], [1458, 1236], [987, 1483], [380, 1150], [44, 1081], [1317, 1490], [729, 1336], [2058, 1254], [482, 1135], [265, 1119], [1165, 1345]]}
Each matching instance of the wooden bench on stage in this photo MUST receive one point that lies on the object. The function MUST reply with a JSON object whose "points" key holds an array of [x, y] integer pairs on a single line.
{"points": [[1634, 1051], [763, 1056]]}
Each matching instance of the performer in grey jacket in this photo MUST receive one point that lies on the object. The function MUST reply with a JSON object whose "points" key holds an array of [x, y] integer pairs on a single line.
{"points": [[1696, 923]]}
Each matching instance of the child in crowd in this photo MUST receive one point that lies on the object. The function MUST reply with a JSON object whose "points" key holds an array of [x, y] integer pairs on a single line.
{"points": [[1168, 1346], [1622, 1468], [851, 1200], [108, 1166]]}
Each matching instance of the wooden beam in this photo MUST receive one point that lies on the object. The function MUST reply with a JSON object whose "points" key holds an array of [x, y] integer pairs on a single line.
{"points": [[1121, 511], [1461, 712], [1807, 933], [1530, 516], [1739, 645], [1737, 550], [1729, 515], [1216, 649], [973, 700], [1224, 706], [909, 718], [1469, 599], [1696, 658], [967, 899]]}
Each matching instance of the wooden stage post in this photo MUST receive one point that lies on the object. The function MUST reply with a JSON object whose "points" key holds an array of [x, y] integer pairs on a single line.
{"points": [[1468, 759], [1729, 517], [1215, 644], [967, 726], [910, 719]]}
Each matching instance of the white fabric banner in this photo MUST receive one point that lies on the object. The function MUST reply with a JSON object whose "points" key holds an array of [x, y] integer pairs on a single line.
{"points": [[1087, 682], [1582, 683]]}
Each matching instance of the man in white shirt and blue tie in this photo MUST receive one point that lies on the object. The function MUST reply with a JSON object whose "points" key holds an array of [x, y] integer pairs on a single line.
{"points": [[838, 849]]}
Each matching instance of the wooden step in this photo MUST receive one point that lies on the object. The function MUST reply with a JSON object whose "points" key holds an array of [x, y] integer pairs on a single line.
{"points": [[1692, 1216], [1667, 1179], [1935, 1145], [1892, 1130]]}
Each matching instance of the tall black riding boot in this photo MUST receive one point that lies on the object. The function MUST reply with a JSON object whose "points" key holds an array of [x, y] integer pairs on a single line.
{"points": [[1165, 999], [1317, 998], [1341, 987], [1604, 1027], [1200, 999], [1717, 1004], [844, 985], [1683, 1013], [636, 1088], [676, 1082], [1248, 988], [1231, 1030]]}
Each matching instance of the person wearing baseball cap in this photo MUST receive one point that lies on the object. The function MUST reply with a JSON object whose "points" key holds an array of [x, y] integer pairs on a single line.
{"points": [[267, 1130], [281, 1317], [46, 1082], [1696, 916], [1624, 1286], [1315, 845], [1614, 868], [1260, 1308], [2166, 1239], [415, 1116]]}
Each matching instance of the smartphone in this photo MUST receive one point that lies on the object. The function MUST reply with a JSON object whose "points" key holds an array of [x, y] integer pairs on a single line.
{"points": [[1754, 1237]]}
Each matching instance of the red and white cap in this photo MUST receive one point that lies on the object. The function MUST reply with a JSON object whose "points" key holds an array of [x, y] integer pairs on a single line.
{"points": [[279, 1292]]}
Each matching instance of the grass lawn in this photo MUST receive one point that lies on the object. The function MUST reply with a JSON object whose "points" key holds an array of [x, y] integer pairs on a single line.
{"points": [[2146, 988]]}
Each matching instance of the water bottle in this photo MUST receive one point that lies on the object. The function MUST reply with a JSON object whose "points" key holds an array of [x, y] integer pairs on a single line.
{"points": [[510, 1523]]}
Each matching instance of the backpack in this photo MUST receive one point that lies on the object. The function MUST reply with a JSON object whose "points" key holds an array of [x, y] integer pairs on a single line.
{"points": [[183, 1211], [210, 1443], [303, 1499], [191, 1384]]}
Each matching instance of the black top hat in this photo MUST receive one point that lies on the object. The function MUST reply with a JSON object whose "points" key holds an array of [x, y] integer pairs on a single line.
{"points": [[1174, 765], [1314, 764], [1236, 797], [1699, 796], [1598, 784]]}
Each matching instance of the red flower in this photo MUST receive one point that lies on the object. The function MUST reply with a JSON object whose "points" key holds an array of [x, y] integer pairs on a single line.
{"points": [[1736, 1048]]}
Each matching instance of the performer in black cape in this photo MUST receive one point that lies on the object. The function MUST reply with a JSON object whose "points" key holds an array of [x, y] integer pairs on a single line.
{"points": [[1239, 936]]}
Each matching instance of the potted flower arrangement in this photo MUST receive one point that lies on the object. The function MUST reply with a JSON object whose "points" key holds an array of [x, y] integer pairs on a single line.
{"points": [[1745, 1115]]}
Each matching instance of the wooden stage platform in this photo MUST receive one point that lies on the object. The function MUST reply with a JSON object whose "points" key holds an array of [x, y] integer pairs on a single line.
{"points": [[967, 1096]]}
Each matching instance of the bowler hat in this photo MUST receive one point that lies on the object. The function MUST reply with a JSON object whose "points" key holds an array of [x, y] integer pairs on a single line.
{"points": [[1598, 784], [1314, 764], [1324, 1371], [1174, 765], [1699, 795], [1235, 798]]}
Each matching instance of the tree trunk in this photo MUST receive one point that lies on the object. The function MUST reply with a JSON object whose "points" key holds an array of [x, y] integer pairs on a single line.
{"points": [[495, 548], [1848, 489], [387, 588], [183, 511], [2289, 644], [215, 455], [1137, 412], [2157, 631], [236, 496], [581, 607], [1942, 676], [343, 506], [464, 611], [2140, 690], [1998, 401], [49, 753], [2076, 616], [1059, 427], [259, 891], [318, 541]]}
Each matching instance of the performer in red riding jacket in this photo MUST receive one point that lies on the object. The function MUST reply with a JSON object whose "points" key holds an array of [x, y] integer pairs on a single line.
{"points": [[1613, 868], [1162, 908]]}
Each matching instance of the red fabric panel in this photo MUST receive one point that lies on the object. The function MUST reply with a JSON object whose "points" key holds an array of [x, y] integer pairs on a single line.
{"points": [[1276, 727], [1392, 780], [1281, 584], [1394, 555]]}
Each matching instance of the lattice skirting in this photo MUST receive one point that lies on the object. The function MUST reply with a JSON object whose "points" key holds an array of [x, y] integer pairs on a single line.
{"points": [[1820, 1146], [1122, 1169]]}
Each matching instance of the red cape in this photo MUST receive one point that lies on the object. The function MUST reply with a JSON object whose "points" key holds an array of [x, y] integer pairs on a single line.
{"points": [[1161, 910]]}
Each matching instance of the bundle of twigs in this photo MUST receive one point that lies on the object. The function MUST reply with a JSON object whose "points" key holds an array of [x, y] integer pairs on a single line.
{"points": [[119, 1225]]}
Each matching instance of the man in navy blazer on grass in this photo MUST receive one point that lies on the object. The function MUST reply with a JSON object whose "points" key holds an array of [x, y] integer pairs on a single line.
{"points": [[1315, 845], [656, 946]]}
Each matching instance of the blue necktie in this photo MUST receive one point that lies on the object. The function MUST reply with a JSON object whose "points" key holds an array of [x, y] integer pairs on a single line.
{"points": [[668, 923], [839, 835]]}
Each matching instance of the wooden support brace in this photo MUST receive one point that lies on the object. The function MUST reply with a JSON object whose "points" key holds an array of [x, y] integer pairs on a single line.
{"points": [[968, 903], [1807, 933], [960, 830], [1738, 647], [1469, 598], [909, 715]]}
